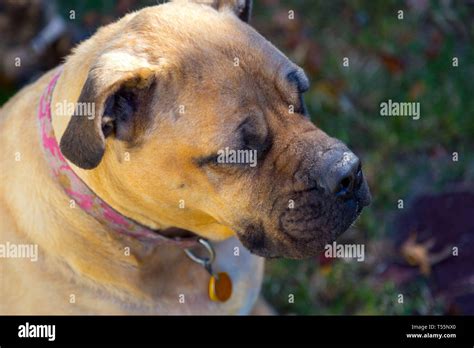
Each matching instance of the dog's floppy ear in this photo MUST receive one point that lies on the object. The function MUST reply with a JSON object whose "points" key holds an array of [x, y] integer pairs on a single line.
{"points": [[242, 8], [113, 88]]}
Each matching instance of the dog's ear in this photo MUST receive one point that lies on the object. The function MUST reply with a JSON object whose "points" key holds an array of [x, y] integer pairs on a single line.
{"points": [[242, 8], [116, 88]]}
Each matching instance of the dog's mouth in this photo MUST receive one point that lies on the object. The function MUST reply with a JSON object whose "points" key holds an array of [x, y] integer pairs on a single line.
{"points": [[303, 230]]}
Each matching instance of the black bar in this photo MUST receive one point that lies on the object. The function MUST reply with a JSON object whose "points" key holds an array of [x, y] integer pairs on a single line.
{"points": [[290, 330]]}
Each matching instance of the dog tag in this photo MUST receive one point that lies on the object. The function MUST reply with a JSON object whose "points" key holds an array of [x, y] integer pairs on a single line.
{"points": [[220, 287]]}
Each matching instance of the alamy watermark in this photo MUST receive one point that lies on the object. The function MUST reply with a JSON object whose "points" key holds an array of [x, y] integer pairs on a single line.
{"points": [[391, 108], [345, 251], [28, 330], [22, 251], [77, 109], [230, 156]]}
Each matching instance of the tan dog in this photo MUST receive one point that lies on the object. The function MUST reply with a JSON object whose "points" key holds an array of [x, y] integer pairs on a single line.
{"points": [[172, 86]]}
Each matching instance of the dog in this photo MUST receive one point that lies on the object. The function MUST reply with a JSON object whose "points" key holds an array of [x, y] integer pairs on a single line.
{"points": [[114, 200]]}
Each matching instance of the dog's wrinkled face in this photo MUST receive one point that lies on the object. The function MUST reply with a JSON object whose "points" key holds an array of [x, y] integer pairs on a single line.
{"points": [[200, 86]]}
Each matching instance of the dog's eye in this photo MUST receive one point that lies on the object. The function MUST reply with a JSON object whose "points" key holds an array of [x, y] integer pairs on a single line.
{"points": [[250, 139], [250, 146], [253, 139]]}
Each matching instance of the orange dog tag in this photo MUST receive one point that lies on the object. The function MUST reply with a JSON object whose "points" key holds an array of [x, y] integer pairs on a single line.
{"points": [[220, 287]]}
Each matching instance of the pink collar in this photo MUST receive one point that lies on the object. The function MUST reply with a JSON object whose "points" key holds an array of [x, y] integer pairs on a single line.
{"points": [[82, 195]]}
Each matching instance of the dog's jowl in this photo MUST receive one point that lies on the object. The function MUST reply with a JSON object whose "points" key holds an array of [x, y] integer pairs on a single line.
{"points": [[195, 127]]}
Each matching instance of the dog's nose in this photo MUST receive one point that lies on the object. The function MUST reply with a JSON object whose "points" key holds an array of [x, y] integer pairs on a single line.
{"points": [[343, 173]]}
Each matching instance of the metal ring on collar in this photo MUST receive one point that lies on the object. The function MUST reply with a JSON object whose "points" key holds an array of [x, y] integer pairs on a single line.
{"points": [[204, 261]]}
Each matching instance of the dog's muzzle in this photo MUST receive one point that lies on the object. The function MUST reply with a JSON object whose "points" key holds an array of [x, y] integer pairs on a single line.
{"points": [[331, 194]]}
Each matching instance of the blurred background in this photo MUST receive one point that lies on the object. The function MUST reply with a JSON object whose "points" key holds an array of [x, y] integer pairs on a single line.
{"points": [[421, 247]]}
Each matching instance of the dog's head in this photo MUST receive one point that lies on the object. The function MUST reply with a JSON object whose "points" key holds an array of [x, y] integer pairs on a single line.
{"points": [[217, 138]]}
